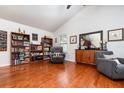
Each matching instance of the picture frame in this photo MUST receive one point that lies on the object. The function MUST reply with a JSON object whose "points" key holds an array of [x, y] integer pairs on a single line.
{"points": [[73, 39], [55, 40], [3, 40], [116, 34], [96, 39], [34, 37]]}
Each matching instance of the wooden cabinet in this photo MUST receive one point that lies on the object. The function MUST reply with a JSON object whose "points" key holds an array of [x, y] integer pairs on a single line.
{"points": [[85, 56]]}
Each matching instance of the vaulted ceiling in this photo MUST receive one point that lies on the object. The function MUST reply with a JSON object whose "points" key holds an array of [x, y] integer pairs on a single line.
{"points": [[47, 17]]}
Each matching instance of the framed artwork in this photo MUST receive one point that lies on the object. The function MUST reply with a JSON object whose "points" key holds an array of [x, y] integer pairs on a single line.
{"points": [[63, 39], [73, 39], [34, 37], [3, 40], [55, 40], [115, 34], [92, 40]]}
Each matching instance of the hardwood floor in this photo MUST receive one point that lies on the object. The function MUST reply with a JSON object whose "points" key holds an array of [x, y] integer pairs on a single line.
{"points": [[47, 75]]}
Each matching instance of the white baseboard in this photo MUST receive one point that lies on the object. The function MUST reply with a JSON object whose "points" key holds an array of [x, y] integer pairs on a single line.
{"points": [[4, 65], [70, 61]]}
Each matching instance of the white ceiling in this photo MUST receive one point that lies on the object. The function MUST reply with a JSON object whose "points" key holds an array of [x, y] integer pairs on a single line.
{"points": [[47, 17]]}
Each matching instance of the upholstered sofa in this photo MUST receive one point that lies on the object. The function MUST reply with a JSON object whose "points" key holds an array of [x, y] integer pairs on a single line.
{"points": [[110, 67], [57, 55]]}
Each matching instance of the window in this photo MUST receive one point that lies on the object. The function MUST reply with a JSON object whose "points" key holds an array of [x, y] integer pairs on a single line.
{"points": [[63, 42], [34, 37]]}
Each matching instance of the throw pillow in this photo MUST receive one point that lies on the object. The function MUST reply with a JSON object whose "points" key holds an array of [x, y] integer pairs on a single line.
{"points": [[57, 54], [117, 61]]}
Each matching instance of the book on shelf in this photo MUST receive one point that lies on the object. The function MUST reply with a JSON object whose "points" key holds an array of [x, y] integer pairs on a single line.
{"points": [[39, 48], [26, 43], [46, 49]]}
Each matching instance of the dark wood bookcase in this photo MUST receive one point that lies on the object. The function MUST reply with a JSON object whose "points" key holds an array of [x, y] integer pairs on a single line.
{"points": [[20, 48], [47, 43], [36, 52]]}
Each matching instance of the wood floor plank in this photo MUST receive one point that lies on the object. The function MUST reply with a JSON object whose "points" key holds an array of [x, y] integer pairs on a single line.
{"points": [[47, 75]]}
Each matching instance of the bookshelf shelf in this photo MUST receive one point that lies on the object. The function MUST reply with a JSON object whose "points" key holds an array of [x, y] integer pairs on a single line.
{"points": [[20, 48], [36, 52]]}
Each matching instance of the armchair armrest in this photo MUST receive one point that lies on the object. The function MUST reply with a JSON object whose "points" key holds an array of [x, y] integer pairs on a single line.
{"points": [[121, 60], [105, 65], [51, 55], [102, 61], [105, 60], [63, 54]]}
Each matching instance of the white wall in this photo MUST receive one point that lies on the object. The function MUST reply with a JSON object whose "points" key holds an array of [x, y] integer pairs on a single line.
{"points": [[94, 18], [13, 27]]}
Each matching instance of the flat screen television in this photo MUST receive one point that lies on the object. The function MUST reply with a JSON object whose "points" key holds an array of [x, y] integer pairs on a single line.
{"points": [[93, 40]]}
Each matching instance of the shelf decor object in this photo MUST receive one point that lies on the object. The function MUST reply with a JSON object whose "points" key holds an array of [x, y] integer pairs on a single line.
{"points": [[73, 39], [20, 48], [3, 40], [47, 43], [116, 34]]}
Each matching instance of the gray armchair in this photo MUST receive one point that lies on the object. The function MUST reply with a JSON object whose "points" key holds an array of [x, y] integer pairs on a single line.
{"points": [[57, 55], [109, 67]]}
